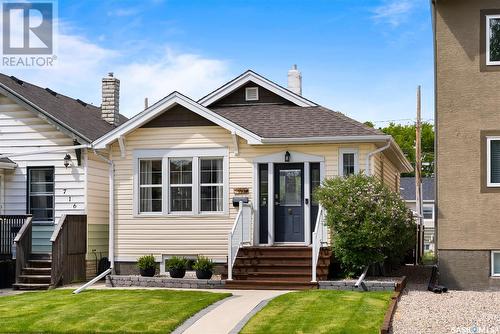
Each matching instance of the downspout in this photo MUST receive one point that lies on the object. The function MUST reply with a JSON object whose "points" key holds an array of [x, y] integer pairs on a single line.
{"points": [[111, 251], [368, 170]]}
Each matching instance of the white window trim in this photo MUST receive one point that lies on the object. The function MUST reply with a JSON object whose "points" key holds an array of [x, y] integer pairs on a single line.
{"points": [[429, 206], [211, 185], [488, 35], [488, 162], [343, 151], [185, 185], [247, 89], [139, 185], [493, 274], [165, 155]]}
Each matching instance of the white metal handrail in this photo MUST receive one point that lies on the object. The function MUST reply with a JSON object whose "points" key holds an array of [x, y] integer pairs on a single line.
{"points": [[240, 234], [319, 237]]}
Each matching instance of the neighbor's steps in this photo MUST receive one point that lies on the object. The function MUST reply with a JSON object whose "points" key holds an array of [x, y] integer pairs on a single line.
{"points": [[36, 275]]}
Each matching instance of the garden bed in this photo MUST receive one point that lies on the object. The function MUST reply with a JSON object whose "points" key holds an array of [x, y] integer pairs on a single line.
{"points": [[189, 282], [371, 283]]}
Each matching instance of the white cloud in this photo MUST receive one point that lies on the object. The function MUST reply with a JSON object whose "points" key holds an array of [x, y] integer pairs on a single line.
{"points": [[82, 63], [123, 12], [393, 12]]}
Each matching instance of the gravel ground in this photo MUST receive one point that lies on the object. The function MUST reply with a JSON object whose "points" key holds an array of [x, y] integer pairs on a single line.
{"points": [[451, 312]]}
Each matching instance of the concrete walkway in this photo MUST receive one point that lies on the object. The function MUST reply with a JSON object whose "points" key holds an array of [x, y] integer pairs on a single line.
{"points": [[230, 315]]}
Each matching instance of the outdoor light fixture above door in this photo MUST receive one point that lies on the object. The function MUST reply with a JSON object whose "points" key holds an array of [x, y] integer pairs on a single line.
{"points": [[67, 160], [287, 156]]}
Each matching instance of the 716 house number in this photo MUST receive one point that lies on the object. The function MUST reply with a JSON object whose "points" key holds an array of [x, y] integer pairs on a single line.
{"points": [[69, 198]]}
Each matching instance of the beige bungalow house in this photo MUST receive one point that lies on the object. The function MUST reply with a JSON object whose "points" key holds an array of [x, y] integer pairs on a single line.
{"points": [[230, 176]]}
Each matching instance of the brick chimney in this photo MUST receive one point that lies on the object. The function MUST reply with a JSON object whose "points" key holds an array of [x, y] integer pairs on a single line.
{"points": [[295, 80], [110, 106]]}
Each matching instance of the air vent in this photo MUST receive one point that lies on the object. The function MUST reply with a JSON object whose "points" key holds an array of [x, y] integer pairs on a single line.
{"points": [[81, 102], [252, 93], [18, 81], [51, 91]]}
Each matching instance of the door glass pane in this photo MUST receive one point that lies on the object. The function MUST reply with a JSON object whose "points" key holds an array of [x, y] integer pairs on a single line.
{"points": [[41, 194], [290, 187], [263, 187], [315, 180]]}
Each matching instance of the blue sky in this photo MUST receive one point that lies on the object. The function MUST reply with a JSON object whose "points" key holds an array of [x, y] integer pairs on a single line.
{"points": [[363, 58]]}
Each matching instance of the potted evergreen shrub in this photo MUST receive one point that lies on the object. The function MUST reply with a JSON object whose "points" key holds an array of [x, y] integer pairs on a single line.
{"points": [[147, 265], [176, 266], [204, 267]]}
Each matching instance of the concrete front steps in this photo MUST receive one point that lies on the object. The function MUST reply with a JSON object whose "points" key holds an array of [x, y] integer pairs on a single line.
{"points": [[37, 274], [277, 268]]}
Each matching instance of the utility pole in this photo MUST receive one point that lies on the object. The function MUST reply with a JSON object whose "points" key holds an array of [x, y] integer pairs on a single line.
{"points": [[418, 179]]}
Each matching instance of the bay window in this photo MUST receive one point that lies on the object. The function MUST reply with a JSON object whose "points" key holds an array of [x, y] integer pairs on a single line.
{"points": [[181, 182]]}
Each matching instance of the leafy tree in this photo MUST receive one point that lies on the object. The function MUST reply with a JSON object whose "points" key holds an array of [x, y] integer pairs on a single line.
{"points": [[405, 136], [369, 222]]}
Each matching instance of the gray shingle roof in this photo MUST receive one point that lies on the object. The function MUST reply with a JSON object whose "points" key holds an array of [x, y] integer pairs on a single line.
{"points": [[84, 119], [6, 161], [289, 121], [408, 188]]}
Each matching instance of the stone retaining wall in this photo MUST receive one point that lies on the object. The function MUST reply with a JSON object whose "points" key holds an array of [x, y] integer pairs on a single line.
{"points": [[349, 285], [162, 282]]}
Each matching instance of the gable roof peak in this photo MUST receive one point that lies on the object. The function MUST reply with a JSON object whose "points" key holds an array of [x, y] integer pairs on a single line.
{"points": [[250, 75]]}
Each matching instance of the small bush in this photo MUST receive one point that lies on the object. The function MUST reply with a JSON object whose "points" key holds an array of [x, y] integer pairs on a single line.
{"points": [[204, 264], [146, 262], [176, 262], [369, 222]]}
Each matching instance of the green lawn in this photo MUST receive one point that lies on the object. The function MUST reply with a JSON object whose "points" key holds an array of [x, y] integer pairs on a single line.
{"points": [[321, 311], [101, 311]]}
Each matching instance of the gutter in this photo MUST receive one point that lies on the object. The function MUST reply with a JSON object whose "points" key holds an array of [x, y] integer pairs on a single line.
{"points": [[332, 139], [111, 249], [368, 170]]}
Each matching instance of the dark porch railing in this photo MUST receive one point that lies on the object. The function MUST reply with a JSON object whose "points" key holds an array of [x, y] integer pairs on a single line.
{"points": [[23, 246], [10, 225], [69, 246]]}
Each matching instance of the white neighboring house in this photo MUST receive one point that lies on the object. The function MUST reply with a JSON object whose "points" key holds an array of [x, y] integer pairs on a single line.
{"points": [[429, 208]]}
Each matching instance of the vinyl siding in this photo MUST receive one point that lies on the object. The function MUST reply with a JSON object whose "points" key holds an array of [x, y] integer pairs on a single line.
{"points": [[136, 236], [97, 206], [23, 131]]}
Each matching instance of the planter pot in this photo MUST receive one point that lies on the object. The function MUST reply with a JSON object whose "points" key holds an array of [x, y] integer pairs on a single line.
{"points": [[148, 272], [177, 273], [204, 274]]}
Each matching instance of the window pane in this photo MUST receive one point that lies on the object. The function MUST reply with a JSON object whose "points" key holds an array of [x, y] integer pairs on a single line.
{"points": [[42, 214], [495, 161], [494, 39], [181, 171], [181, 199], [150, 199], [496, 263], [211, 198], [211, 170], [150, 172], [427, 213], [348, 164], [263, 186], [41, 175], [290, 187]]}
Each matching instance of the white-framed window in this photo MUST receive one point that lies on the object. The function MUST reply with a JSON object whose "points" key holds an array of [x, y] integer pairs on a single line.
{"points": [[428, 211], [495, 263], [150, 185], [211, 184], [348, 161], [181, 182], [493, 161], [252, 93], [492, 39]]}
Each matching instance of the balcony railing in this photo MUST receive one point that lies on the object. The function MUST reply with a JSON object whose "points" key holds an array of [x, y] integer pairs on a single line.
{"points": [[10, 225]]}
